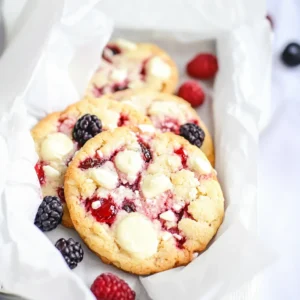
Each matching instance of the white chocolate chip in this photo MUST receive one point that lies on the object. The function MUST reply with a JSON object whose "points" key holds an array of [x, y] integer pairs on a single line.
{"points": [[158, 68], [129, 162], [166, 235], [154, 185], [146, 128], [106, 176], [168, 216], [177, 207], [51, 172], [136, 235], [118, 75], [96, 204], [200, 164], [125, 44], [177, 236], [56, 146], [110, 119]]}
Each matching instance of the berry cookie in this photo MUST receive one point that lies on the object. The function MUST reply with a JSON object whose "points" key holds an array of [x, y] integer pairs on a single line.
{"points": [[145, 202], [59, 135], [126, 65], [170, 113]]}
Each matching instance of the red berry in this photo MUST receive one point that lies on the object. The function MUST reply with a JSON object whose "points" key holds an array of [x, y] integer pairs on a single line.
{"points": [[108, 286], [203, 66], [106, 213], [192, 92], [40, 172]]}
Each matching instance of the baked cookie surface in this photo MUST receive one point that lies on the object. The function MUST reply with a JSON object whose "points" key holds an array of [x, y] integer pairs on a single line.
{"points": [[167, 113], [127, 65], [56, 145], [145, 202]]}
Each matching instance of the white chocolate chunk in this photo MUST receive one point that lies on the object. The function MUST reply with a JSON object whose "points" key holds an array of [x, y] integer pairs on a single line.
{"points": [[158, 68], [110, 119], [168, 216], [129, 162], [106, 176], [136, 235], [166, 235], [56, 146], [96, 204], [118, 75], [51, 172], [200, 164], [146, 128], [125, 44], [177, 236], [154, 185]]}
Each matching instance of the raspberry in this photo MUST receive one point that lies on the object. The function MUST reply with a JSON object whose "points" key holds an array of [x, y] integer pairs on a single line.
{"points": [[85, 128], [49, 214], [192, 92], [203, 66], [108, 286], [71, 251], [193, 133]]}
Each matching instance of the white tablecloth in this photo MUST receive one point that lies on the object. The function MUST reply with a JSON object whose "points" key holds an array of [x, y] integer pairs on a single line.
{"points": [[279, 200]]}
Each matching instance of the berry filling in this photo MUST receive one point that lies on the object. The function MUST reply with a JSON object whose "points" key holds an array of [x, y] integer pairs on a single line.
{"points": [[143, 71], [169, 125], [40, 172], [66, 125], [123, 120], [181, 153], [109, 51], [61, 194], [91, 163], [103, 210]]}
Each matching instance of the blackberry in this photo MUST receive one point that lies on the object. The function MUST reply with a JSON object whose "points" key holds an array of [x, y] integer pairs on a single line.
{"points": [[146, 152], [71, 251], [85, 128], [291, 55], [193, 133], [49, 214]]}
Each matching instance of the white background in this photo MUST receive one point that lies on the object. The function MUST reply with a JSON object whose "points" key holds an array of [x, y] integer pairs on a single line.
{"points": [[279, 180]]}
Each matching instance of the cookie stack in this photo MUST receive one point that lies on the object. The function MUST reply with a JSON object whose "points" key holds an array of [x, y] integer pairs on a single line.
{"points": [[131, 166]]}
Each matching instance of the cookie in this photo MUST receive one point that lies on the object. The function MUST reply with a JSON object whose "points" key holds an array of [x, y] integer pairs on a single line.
{"points": [[126, 65], [55, 145], [167, 113], [145, 202]]}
